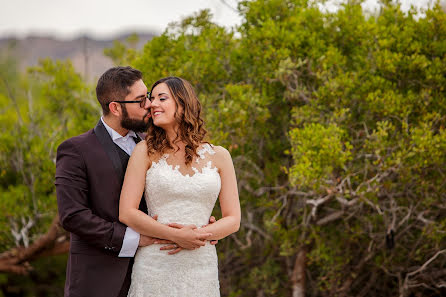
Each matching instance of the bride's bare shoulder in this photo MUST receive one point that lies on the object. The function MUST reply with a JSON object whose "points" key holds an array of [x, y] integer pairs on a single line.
{"points": [[221, 155], [140, 148], [141, 154]]}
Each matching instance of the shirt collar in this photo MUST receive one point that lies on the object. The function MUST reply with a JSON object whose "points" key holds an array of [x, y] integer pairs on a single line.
{"points": [[115, 135]]}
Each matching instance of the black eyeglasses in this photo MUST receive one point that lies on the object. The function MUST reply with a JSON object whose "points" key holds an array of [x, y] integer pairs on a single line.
{"points": [[141, 102]]}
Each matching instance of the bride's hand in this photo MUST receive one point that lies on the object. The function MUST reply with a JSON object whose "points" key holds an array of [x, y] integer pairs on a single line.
{"points": [[189, 237], [173, 248]]}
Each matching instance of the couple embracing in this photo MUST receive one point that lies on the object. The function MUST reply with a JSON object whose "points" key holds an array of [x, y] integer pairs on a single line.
{"points": [[142, 225]]}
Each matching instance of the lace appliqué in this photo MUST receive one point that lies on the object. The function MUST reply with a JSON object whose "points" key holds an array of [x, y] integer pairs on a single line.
{"points": [[207, 148]]}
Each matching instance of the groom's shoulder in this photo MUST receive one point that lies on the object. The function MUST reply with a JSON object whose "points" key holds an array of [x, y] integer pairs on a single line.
{"points": [[81, 137], [78, 140]]}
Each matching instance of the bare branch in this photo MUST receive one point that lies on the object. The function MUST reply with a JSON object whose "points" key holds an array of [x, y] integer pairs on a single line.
{"points": [[316, 203], [423, 267], [257, 229], [421, 218], [330, 218], [284, 203]]}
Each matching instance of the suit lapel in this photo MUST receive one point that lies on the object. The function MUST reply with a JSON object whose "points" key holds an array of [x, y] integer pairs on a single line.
{"points": [[110, 148]]}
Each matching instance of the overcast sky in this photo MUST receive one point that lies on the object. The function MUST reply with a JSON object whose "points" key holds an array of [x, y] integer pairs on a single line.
{"points": [[107, 18]]}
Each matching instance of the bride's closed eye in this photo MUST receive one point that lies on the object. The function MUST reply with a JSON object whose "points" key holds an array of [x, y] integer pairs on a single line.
{"points": [[161, 99]]}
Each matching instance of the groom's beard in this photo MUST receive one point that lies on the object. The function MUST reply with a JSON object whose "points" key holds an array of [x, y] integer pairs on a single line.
{"points": [[137, 125]]}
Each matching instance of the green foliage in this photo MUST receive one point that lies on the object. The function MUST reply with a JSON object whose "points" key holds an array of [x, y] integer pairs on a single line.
{"points": [[237, 117], [194, 49], [38, 112], [317, 151], [46, 280], [123, 52]]}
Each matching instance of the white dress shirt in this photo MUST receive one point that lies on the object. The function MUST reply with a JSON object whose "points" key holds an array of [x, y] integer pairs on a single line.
{"points": [[127, 144]]}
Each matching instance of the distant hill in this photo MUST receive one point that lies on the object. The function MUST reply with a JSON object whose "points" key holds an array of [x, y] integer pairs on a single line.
{"points": [[86, 54]]}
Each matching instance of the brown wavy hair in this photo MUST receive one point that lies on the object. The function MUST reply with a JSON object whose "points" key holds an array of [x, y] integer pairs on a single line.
{"points": [[190, 124]]}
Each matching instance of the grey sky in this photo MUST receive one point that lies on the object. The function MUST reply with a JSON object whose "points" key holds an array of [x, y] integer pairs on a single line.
{"points": [[105, 18]]}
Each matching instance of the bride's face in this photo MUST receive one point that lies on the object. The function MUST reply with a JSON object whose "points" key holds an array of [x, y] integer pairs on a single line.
{"points": [[162, 107]]}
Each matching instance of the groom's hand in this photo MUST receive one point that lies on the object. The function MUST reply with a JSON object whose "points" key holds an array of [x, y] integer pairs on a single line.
{"points": [[147, 240], [211, 221], [172, 248]]}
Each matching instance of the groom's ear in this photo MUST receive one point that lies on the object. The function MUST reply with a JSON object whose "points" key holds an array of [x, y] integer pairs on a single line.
{"points": [[115, 108]]}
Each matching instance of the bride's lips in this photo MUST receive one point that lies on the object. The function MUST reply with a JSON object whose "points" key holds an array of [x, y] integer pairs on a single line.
{"points": [[156, 113]]}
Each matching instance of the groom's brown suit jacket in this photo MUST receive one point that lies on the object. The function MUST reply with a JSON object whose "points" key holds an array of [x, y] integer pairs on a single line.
{"points": [[90, 170]]}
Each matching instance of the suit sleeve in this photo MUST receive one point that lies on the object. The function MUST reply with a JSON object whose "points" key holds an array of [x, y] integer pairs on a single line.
{"points": [[75, 213]]}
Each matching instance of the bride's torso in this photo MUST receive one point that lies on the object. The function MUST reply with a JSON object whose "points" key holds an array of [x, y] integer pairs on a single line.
{"points": [[180, 197]]}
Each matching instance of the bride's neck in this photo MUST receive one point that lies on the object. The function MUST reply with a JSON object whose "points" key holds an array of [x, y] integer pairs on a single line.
{"points": [[171, 134], [175, 142]]}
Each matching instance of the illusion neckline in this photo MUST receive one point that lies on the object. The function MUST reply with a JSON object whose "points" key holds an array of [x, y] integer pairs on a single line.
{"points": [[206, 148]]}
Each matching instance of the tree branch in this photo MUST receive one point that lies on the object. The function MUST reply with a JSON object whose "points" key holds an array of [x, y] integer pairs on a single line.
{"points": [[55, 241]]}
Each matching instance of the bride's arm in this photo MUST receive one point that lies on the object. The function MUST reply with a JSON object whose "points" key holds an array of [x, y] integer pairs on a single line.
{"points": [[131, 194], [229, 199]]}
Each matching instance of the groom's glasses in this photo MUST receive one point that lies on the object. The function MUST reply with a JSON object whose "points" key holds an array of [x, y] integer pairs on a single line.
{"points": [[141, 102]]}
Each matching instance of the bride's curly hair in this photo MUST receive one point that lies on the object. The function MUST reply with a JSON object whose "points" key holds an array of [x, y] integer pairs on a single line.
{"points": [[190, 124]]}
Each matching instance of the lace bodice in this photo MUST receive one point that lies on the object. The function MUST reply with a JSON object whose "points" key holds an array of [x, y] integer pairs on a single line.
{"points": [[183, 198]]}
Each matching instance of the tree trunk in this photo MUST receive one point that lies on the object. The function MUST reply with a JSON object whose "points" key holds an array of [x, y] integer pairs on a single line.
{"points": [[298, 276]]}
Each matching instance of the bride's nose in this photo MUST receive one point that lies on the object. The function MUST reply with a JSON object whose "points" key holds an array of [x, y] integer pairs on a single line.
{"points": [[154, 103]]}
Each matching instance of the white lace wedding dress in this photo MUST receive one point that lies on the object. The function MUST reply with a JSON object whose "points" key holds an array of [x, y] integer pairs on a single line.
{"points": [[184, 199]]}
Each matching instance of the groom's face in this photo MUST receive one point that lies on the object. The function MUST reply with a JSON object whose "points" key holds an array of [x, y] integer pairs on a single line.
{"points": [[134, 117]]}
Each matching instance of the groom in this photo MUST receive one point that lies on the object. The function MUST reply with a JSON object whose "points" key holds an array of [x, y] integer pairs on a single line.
{"points": [[90, 170]]}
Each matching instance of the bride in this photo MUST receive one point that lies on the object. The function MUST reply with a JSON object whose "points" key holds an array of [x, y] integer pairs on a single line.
{"points": [[182, 176]]}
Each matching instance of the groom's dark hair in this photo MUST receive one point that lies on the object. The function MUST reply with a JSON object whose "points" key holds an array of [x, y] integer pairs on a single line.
{"points": [[114, 85]]}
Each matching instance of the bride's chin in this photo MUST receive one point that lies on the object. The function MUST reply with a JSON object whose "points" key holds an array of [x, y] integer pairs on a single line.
{"points": [[165, 126], [159, 125]]}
